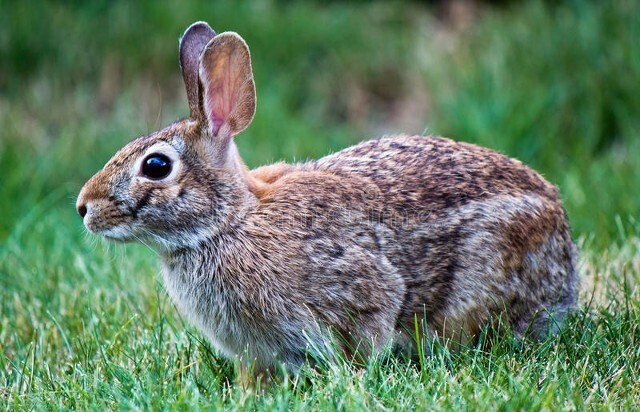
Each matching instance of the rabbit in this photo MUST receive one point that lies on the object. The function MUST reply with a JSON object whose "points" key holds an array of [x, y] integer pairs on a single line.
{"points": [[287, 262]]}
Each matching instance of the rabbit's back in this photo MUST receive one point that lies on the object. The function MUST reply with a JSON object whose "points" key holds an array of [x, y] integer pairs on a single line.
{"points": [[434, 174]]}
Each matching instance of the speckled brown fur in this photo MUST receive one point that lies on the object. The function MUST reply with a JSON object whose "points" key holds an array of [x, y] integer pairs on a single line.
{"points": [[273, 264]]}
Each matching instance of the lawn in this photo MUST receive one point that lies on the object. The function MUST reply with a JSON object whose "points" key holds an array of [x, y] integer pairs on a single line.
{"points": [[87, 325]]}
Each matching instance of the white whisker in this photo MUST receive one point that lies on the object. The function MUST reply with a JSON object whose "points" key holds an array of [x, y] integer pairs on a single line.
{"points": [[139, 239]]}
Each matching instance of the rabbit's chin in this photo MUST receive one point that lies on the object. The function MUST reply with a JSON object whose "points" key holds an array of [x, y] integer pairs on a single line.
{"points": [[159, 242], [118, 234]]}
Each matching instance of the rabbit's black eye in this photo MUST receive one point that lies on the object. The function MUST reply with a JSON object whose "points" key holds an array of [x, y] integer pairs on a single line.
{"points": [[156, 166]]}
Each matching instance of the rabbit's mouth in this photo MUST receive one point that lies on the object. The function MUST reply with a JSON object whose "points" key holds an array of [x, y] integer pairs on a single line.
{"points": [[119, 231]]}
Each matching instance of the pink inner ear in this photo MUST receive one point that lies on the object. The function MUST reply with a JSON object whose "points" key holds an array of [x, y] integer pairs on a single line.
{"points": [[221, 93], [227, 85]]}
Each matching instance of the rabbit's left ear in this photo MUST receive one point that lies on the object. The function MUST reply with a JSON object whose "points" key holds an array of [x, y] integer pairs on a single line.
{"points": [[192, 43], [228, 90]]}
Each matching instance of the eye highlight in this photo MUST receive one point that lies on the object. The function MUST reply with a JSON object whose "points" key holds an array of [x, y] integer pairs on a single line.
{"points": [[156, 166]]}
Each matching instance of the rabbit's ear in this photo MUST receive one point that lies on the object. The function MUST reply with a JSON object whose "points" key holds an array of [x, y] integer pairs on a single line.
{"points": [[229, 94], [192, 43]]}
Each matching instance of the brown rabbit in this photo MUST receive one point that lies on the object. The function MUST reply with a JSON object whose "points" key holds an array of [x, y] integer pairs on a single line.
{"points": [[274, 263]]}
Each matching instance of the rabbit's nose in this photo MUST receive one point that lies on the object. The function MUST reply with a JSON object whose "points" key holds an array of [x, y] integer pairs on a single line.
{"points": [[82, 210]]}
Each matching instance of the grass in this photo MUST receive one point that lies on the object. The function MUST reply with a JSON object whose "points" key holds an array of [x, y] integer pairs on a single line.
{"points": [[98, 332], [87, 325]]}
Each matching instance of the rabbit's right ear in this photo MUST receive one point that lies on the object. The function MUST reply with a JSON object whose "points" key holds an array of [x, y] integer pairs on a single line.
{"points": [[192, 43], [228, 89]]}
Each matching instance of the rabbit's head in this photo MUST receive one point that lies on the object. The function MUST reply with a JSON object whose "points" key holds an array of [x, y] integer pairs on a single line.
{"points": [[183, 183]]}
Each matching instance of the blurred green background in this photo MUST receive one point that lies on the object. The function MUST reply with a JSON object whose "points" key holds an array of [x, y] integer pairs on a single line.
{"points": [[555, 84]]}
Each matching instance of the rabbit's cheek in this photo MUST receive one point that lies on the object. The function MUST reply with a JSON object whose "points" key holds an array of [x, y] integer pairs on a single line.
{"points": [[146, 195], [169, 194]]}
